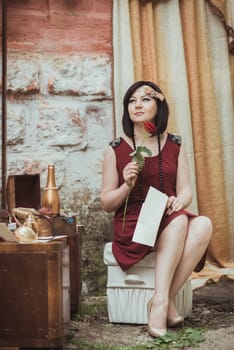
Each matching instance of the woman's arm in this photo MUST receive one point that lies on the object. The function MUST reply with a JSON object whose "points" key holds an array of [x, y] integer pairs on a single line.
{"points": [[183, 185], [113, 196]]}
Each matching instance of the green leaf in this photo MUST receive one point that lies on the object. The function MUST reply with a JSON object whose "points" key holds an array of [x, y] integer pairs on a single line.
{"points": [[143, 149], [140, 160], [138, 157]]}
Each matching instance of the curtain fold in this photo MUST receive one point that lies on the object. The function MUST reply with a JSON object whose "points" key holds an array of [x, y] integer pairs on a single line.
{"points": [[221, 66], [206, 127], [123, 57], [183, 46], [143, 40]]}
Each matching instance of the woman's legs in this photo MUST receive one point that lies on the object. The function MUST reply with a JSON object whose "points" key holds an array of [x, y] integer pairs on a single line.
{"points": [[169, 250], [178, 250], [198, 238]]}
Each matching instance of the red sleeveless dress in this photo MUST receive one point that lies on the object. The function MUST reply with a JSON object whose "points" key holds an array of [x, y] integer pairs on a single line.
{"points": [[126, 252]]}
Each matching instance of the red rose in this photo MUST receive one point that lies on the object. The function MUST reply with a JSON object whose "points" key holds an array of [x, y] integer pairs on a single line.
{"points": [[150, 128]]}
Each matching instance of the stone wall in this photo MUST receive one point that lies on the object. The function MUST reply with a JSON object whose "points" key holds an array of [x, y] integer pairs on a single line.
{"points": [[60, 109]]}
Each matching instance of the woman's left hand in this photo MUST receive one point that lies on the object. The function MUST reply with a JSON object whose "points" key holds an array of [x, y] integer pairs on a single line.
{"points": [[173, 204]]}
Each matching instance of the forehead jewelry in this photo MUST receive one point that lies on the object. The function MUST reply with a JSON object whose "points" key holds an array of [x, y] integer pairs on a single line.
{"points": [[150, 91]]}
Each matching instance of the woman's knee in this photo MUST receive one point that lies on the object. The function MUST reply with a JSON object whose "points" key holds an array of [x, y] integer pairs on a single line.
{"points": [[202, 227], [176, 230], [178, 226]]}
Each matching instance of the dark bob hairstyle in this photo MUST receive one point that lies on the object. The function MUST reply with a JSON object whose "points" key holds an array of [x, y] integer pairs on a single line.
{"points": [[160, 119]]}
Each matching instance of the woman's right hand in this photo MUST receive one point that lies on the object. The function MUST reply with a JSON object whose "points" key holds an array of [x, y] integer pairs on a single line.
{"points": [[130, 173]]}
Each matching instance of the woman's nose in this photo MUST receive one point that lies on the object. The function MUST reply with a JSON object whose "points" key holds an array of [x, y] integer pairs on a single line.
{"points": [[138, 103]]}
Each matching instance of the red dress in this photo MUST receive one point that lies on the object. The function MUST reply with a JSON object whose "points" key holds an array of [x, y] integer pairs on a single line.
{"points": [[126, 252]]}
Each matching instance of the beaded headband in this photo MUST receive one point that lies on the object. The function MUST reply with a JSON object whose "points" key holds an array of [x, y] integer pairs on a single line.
{"points": [[150, 91]]}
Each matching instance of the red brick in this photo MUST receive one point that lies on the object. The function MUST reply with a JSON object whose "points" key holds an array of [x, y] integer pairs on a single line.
{"points": [[83, 26]]}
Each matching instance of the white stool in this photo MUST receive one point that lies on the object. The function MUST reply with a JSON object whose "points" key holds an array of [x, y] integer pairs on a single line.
{"points": [[128, 292]]}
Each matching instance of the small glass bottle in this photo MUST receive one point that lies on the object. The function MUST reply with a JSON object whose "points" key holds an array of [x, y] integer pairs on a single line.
{"points": [[28, 232], [50, 198]]}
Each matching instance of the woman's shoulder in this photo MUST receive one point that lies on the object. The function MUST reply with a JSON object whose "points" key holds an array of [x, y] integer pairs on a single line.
{"points": [[177, 139], [123, 141], [116, 142]]}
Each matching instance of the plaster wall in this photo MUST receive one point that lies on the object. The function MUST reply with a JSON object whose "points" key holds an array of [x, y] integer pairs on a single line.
{"points": [[60, 108]]}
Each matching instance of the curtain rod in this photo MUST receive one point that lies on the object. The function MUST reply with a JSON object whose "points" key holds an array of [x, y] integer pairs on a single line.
{"points": [[4, 93]]}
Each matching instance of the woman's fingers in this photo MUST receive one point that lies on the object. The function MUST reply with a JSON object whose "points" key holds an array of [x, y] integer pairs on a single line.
{"points": [[173, 204], [130, 173]]}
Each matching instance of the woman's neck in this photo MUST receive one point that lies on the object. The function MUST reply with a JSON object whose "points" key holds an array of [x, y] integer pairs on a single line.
{"points": [[140, 134], [146, 140]]}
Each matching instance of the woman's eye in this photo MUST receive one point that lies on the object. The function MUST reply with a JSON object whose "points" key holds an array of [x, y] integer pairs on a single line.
{"points": [[146, 99], [131, 100]]}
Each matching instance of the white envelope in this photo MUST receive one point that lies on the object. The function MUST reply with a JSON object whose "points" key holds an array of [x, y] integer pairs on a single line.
{"points": [[150, 217], [6, 234]]}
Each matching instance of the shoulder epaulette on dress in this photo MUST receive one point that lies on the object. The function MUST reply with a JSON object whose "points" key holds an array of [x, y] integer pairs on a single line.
{"points": [[175, 138], [115, 142]]}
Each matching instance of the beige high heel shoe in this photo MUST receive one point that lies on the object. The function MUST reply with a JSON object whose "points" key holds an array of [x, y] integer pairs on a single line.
{"points": [[154, 332], [175, 322]]}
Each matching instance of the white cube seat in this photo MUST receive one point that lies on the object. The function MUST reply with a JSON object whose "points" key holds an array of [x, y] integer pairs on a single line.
{"points": [[128, 292]]}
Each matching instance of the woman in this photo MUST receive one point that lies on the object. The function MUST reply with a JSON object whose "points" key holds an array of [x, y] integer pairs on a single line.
{"points": [[183, 237]]}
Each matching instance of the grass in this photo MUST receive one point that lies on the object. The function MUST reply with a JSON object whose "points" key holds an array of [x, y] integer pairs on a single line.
{"points": [[91, 310]]}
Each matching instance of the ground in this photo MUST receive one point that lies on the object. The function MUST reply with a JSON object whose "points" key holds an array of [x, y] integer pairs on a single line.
{"points": [[213, 310]]}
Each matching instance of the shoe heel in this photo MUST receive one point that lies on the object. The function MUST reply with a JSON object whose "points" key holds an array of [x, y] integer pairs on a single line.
{"points": [[154, 332], [176, 322]]}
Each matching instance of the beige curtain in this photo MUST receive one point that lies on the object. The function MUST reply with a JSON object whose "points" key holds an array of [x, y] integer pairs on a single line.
{"points": [[123, 56], [183, 47]]}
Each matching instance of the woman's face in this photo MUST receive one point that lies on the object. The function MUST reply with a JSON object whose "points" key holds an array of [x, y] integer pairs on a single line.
{"points": [[142, 106]]}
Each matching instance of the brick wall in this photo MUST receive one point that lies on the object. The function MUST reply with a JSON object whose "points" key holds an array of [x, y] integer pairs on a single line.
{"points": [[60, 108]]}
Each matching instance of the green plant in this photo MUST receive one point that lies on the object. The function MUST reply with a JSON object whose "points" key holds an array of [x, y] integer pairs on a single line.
{"points": [[180, 339], [138, 156]]}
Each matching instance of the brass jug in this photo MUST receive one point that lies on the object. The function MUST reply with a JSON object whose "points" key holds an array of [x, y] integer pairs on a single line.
{"points": [[50, 198]]}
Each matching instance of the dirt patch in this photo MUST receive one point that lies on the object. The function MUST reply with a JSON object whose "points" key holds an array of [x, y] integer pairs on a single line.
{"points": [[213, 310], [213, 305]]}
